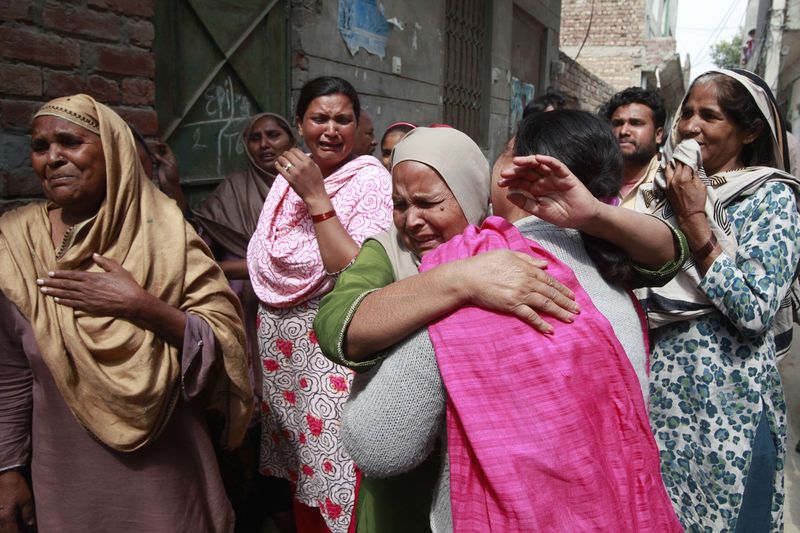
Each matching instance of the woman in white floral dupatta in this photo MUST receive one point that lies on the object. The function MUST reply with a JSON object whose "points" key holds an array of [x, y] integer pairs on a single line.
{"points": [[318, 212], [716, 400]]}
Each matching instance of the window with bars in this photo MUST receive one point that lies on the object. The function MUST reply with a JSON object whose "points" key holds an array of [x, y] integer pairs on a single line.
{"points": [[465, 92]]}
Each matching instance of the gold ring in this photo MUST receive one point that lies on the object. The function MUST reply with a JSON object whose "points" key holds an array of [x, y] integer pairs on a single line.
{"points": [[287, 167]]}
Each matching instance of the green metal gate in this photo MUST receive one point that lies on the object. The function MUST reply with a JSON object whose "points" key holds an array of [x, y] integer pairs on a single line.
{"points": [[217, 63]]}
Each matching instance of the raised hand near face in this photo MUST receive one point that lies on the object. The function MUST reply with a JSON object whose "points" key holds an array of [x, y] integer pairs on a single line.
{"points": [[685, 191], [543, 186], [304, 177]]}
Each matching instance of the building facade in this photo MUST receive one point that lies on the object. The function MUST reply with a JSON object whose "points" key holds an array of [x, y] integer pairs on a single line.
{"points": [[192, 72], [626, 43], [775, 53]]}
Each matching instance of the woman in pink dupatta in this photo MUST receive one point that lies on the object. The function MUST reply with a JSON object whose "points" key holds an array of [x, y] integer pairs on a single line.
{"points": [[317, 213], [591, 464]]}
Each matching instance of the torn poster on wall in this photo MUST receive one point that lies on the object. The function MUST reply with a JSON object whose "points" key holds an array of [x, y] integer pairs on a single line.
{"points": [[521, 94], [362, 25]]}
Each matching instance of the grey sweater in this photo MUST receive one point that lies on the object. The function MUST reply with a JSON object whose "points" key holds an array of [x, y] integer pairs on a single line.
{"points": [[396, 411]]}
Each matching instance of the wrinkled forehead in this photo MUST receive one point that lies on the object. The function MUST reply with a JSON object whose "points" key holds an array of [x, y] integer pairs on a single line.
{"points": [[47, 125], [77, 109], [411, 176]]}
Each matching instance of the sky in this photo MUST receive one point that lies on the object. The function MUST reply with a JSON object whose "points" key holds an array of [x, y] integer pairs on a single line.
{"points": [[701, 23]]}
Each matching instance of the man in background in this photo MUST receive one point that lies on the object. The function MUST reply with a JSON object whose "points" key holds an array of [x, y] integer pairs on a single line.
{"points": [[365, 136], [637, 117]]}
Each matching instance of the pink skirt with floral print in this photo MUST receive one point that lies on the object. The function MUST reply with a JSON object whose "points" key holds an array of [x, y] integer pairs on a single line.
{"points": [[302, 402]]}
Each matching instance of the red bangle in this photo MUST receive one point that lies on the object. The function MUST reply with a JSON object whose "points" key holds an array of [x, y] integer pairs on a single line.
{"points": [[316, 219], [705, 250]]}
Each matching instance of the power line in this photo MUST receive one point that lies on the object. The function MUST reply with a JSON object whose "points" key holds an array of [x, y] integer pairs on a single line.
{"points": [[716, 33]]}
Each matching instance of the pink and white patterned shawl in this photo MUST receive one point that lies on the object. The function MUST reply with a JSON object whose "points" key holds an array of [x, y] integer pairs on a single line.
{"points": [[545, 433], [283, 256]]}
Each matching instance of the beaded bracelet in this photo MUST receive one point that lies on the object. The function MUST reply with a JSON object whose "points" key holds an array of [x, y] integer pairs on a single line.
{"points": [[316, 219]]}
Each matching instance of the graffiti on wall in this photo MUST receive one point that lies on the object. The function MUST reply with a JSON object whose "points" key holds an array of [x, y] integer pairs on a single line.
{"points": [[220, 116]]}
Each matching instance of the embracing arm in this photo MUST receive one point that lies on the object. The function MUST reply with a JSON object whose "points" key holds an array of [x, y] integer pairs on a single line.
{"points": [[115, 293], [500, 280], [369, 272], [367, 311], [545, 187], [647, 240]]}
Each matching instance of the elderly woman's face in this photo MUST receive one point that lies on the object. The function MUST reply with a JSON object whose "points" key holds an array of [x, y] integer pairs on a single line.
{"points": [[329, 130], [426, 214], [266, 141], [70, 163], [703, 120]]}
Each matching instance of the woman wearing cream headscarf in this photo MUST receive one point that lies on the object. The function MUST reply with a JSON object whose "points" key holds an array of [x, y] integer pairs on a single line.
{"points": [[440, 186], [120, 331], [228, 218]]}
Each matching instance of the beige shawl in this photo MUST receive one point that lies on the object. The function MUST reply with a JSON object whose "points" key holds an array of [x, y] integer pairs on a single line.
{"points": [[121, 381], [462, 166]]}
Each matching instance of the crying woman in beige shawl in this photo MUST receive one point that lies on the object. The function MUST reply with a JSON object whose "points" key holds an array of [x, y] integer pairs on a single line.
{"points": [[118, 332]]}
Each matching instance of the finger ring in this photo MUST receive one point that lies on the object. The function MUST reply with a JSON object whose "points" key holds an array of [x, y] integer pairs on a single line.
{"points": [[287, 167]]}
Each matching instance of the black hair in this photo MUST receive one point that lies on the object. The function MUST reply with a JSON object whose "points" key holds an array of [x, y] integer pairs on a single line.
{"points": [[539, 104], [587, 146], [323, 86], [637, 95]]}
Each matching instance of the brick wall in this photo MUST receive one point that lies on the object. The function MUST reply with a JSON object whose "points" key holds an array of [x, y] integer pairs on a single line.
{"points": [[658, 50], [614, 22], [54, 48], [619, 71], [613, 50], [590, 91]]}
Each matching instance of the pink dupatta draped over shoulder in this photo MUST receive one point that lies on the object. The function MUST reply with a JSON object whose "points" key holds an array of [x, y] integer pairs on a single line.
{"points": [[545, 433], [283, 256]]}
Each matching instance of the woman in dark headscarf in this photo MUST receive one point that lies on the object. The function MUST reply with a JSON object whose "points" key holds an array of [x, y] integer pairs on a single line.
{"points": [[229, 217], [230, 214]]}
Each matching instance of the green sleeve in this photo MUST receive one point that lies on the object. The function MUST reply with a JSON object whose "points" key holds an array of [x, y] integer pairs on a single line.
{"points": [[658, 278], [370, 272]]}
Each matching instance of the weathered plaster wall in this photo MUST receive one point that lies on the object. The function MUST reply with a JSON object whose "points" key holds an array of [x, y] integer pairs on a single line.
{"points": [[547, 12], [414, 95]]}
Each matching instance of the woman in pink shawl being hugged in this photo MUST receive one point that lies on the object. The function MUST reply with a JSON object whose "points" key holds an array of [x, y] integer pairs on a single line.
{"points": [[318, 212]]}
